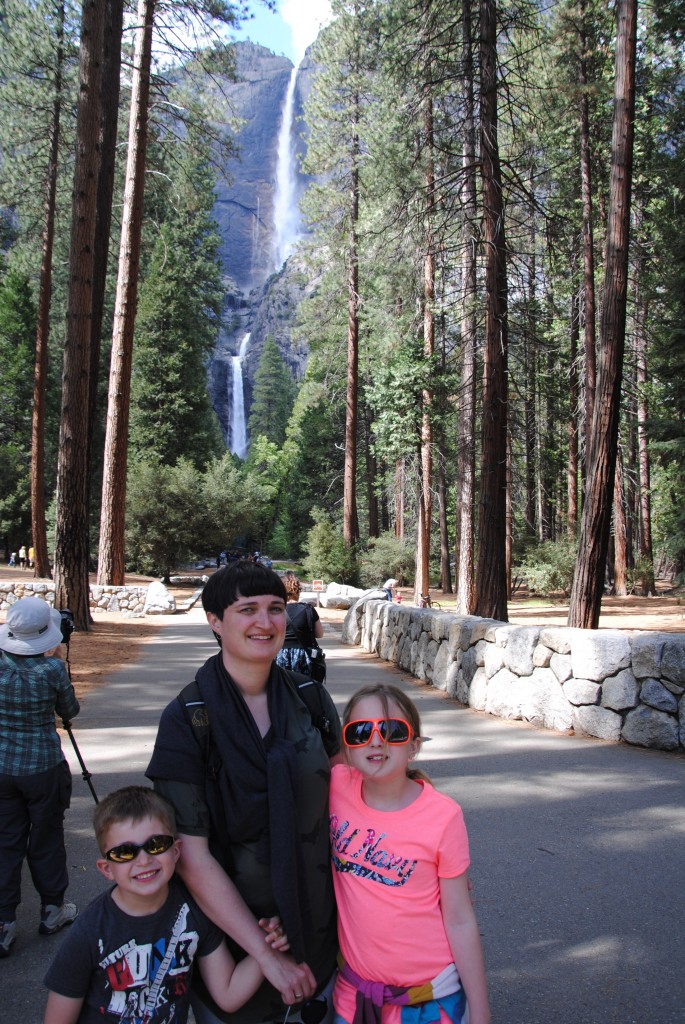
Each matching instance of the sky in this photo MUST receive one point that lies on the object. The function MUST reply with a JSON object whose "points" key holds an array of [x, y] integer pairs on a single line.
{"points": [[290, 29]]}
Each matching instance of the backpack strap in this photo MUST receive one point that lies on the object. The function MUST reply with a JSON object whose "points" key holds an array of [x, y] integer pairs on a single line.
{"points": [[310, 693], [195, 711]]}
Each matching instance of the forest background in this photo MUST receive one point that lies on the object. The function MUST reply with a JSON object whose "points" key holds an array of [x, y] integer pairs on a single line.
{"points": [[495, 380]]}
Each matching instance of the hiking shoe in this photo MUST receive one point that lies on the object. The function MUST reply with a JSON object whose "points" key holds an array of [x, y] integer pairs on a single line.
{"points": [[8, 933], [52, 917]]}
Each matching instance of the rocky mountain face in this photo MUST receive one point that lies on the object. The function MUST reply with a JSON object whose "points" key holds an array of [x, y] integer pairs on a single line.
{"points": [[260, 194]]}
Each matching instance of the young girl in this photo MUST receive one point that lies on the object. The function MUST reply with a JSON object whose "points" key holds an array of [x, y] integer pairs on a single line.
{"points": [[407, 931]]}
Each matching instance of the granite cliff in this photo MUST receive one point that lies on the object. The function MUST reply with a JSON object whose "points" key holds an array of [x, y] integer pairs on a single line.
{"points": [[260, 192]]}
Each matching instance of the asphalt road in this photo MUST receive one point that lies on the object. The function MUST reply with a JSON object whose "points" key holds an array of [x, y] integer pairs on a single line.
{"points": [[578, 846]]}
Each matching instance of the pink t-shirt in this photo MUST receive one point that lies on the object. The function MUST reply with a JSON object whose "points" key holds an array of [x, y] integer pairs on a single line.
{"points": [[387, 867]]}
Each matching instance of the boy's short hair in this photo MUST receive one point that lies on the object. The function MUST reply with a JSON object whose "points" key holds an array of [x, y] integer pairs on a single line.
{"points": [[132, 803], [243, 579]]}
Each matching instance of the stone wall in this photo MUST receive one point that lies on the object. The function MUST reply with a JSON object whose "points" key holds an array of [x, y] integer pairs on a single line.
{"points": [[130, 600], [611, 684]]}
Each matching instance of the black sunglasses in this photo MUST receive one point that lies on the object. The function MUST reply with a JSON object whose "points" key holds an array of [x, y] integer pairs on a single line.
{"points": [[390, 730], [125, 852]]}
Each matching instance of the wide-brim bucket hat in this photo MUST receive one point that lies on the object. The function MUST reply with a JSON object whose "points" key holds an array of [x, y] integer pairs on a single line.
{"points": [[31, 627]]}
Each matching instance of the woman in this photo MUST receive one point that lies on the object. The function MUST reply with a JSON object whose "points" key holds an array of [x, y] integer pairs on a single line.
{"points": [[301, 652], [252, 805], [35, 781]]}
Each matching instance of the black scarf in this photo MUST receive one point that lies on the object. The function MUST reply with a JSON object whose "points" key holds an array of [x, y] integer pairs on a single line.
{"points": [[257, 784]]}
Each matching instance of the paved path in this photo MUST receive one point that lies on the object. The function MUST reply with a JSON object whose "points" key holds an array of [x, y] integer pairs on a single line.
{"points": [[578, 846]]}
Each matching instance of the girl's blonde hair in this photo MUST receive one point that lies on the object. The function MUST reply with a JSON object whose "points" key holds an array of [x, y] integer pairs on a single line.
{"points": [[386, 692]]}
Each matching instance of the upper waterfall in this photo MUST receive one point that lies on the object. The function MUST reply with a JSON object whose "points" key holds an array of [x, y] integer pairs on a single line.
{"points": [[286, 213]]}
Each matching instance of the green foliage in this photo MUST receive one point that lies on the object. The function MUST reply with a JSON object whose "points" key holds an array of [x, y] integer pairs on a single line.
{"points": [[176, 513], [161, 516], [327, 557], [548, 568], [386, 556], [17, 344], [640, 577], [234, 503], [312, 462], [177, 325], [273, 396]]}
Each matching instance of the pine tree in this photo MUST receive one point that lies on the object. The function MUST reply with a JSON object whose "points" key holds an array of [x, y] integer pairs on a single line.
{"points": [[273, 396], [178, 321], [17, 338]]}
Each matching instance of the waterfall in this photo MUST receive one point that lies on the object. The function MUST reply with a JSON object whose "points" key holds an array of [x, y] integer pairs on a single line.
{"points": [[238, 443], [286, 213]]}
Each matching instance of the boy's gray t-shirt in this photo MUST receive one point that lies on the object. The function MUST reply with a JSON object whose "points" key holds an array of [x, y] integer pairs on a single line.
{"points": [[111, 959]]}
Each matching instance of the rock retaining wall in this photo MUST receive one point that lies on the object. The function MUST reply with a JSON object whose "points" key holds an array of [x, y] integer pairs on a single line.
{"points": [[130, 600], [611, 684]]}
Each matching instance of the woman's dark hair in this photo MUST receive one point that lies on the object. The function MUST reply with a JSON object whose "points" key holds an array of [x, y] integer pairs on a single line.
{"points": [[243, 579]]}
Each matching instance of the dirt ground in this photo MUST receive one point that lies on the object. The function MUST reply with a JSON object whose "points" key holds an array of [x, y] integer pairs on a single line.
{"points": [[115, 640]]}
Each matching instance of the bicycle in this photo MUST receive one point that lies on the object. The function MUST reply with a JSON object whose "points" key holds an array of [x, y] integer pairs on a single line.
{"points": [[428, 602]]}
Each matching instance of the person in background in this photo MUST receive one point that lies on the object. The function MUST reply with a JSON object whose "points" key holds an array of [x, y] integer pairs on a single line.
{"points": [[35, 781], [409, 941], [22, 556], [388, 587], [303, 629]]}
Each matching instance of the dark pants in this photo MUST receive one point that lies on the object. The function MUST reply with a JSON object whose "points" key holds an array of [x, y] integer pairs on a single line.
{"points": [[32, 826]]}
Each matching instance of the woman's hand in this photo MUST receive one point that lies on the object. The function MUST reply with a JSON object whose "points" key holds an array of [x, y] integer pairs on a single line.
{"points": [[295, 982], [275, 936]]}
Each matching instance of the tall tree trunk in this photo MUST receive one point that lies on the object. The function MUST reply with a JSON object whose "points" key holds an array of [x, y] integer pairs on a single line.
{"points": [[71, 521], [586, 594], [111, 78], [620, 533], [371, 475], [646, 555], [111, 565], [399, 497], [530, 352], [589, 313], [466, 458], [491, 578], [350, 468], [38, 523], [573, 412], [423, 544]]}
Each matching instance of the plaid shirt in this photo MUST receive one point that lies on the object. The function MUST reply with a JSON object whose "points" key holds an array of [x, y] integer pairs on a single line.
{"points": [[32, 690]]}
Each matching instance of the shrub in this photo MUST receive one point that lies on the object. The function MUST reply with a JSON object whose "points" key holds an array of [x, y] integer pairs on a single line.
{"points": [[327, 557], [549, 567], [387, 556]]}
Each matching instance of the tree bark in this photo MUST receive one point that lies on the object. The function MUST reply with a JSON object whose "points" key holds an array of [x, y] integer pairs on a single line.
{"points": [[350, 467], [111, 565], [491, 578], [589, 313], [38, 521], [466, 457], [371, 475], [572, 430], [71, 522], [425, 511], [620, 532], [646, 554], [399, 498], [111, 78], [586, 594]]}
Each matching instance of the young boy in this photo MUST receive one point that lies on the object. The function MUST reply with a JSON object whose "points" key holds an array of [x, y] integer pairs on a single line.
{"points": [[129, 956]]}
